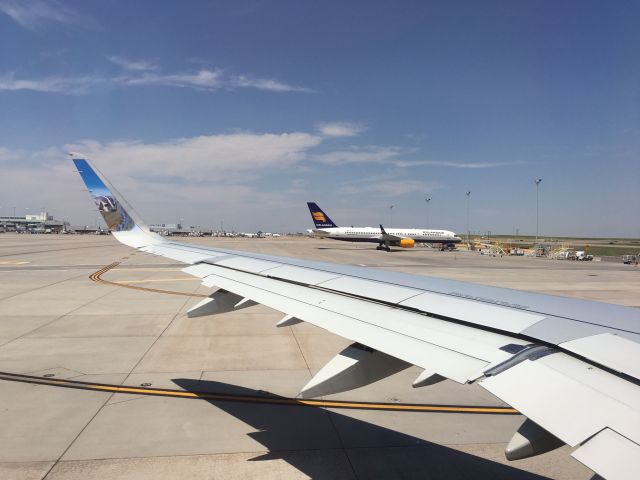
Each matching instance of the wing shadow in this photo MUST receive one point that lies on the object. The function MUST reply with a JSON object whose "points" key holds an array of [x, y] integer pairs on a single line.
{"points": [[296, 434]]}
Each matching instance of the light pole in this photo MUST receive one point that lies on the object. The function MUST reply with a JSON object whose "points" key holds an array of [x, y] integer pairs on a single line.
{"points": [[427, 200], [468, 210], [391, 216], [537, 182]]}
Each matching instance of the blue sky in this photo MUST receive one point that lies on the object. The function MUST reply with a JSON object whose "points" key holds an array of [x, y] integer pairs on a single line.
{"points": [[242, 111]]}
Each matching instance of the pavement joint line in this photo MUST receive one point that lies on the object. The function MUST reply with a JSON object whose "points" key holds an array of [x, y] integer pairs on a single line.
{"points": [[45, 286], [230, 397], [115, 388], [57, 317], [156, 340], [64, 452]]}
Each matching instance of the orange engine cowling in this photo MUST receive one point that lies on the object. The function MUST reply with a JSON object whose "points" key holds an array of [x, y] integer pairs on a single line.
{"points": [[407, 242]]}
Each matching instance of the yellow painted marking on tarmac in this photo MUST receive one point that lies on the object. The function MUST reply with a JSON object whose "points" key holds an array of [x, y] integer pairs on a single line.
{"points": [[13, 262], [265, 400], [96, 277], [163, 269], [159, 280]]}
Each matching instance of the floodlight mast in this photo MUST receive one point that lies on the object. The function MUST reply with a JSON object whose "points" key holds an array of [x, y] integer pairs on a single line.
{"points": [[537, 181], [468, 210], [427, 200]]}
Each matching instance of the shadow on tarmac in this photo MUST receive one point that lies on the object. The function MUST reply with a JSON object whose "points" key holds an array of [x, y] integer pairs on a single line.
{"points": [[350, 448]]}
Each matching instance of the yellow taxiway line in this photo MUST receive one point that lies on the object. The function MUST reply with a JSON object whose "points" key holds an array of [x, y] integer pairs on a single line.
{"points": [[96, 277], [269, 400]]}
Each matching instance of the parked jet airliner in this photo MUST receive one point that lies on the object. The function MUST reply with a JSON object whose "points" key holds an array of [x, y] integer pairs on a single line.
{"points": [[385, 238]]}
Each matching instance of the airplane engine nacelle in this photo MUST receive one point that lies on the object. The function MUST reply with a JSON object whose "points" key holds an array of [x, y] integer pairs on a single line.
{"points": [[407, 242]]}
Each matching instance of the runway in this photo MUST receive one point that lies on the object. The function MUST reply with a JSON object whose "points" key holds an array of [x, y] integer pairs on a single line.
{"points": [[98, 373]]}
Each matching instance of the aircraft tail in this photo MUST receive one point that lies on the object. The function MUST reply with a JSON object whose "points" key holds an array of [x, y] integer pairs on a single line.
{"points": [[125, 224], [320, 219]]}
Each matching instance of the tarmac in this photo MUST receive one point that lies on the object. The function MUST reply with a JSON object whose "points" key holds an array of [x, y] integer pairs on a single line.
{"points": [[61, 322]]}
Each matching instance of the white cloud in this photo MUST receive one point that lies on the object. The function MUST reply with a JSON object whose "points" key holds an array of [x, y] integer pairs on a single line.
{"points": [[396, 188], [7, 155], [69, 86], [204, 79], [387, 184], [438, 163], [204, 179], [339, 129], [135, 65], [204, 157], [391, 156], [243, 81], [35, 14], [368, 154], [141, 75]]}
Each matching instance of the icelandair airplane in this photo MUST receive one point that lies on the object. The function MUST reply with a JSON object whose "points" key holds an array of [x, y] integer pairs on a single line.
{"points": [[391, 237], [570, 366]]}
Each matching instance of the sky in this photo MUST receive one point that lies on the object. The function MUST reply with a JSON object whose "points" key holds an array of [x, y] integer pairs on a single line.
{"points": [[237, 113]]}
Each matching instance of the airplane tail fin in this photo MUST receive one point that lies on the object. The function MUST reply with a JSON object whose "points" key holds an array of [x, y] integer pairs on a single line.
{"points": [[320, 219], [125, 224]]}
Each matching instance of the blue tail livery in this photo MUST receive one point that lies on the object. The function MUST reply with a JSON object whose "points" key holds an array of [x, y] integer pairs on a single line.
{"points": [[320, 219]]}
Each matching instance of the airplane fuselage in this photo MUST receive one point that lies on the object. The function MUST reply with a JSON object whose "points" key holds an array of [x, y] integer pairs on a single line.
{"points": [[373, 235]]}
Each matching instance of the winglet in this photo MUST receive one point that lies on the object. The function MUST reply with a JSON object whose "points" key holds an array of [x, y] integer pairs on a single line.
{"points": [[120, 217], [382, 230]]}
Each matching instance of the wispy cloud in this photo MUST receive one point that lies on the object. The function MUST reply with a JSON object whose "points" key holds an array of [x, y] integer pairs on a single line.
{"points": [[339, 129], [392, 156], [389, 184], [53, 84], [269, 84], [140, 73], [439, 163], [204, 79], [34, 14], [396, 188], [135, 65], [7, 155], [367, 154]]}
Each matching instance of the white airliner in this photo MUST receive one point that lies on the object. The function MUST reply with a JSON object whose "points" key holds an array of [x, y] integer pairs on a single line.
{"points": [[385, 238], [571, 366]]}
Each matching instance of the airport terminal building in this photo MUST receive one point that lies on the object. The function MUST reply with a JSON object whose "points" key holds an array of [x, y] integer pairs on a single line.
{"points": [[40, 223]]}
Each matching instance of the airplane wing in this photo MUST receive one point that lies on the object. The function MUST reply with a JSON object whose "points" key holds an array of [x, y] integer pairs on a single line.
{"points": [[572, 367]]}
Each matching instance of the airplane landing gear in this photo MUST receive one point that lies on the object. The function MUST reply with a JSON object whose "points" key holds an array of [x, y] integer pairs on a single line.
{"points": [[383, 247]]}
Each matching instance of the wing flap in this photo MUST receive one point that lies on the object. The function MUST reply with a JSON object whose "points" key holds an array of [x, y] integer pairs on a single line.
{"points": [[301, 275], [609, 350], [570, 398], [369, 289], [472, 311], [610, 454]]}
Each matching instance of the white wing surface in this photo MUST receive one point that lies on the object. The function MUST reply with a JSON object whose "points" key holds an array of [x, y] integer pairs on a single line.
{"points": [[572, 367]]}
